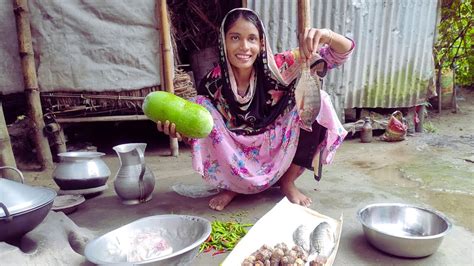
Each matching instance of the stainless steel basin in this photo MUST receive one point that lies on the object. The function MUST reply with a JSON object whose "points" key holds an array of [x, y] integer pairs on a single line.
{"points": [[183, 233], [403, 230]]}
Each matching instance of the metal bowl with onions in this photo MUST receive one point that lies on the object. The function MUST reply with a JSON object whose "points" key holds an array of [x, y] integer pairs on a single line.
{"points": [[183, 235], [404, 230]]}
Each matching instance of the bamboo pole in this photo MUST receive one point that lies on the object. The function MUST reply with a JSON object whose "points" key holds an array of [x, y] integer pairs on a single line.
{"points": [[454, 96], [304, 21], [6, 152], [438, 88], [166, 60], [421, 116], [57, 139], [43, 151], [304, 16], [113, 118]]}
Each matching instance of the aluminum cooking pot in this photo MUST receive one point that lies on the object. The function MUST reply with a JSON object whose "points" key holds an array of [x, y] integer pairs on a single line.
{"points": [[22, 207], [81, 170]]}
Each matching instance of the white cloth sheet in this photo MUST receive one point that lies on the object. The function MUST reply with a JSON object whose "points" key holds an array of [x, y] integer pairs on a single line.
{"points": [[277, 226]]}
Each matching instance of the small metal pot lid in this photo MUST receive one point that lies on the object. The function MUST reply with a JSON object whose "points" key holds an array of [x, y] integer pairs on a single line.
{"points": [[81, 155], [19, 198]]}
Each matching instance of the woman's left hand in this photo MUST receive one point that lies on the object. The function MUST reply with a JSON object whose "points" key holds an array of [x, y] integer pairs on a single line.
{"points": [[170, 129], [311, 39]]}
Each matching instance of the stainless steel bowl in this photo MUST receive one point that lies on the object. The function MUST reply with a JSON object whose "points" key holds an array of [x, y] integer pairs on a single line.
{"points": [[183, 233], [404, 230]]}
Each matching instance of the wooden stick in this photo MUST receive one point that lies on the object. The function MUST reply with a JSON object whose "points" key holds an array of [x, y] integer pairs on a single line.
{"points": [[7, 157], [202, 16], [167, 60], [244, 3], [43, 151]]}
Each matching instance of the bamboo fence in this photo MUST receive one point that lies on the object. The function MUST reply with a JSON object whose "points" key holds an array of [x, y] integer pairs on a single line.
{"points": [[84, 105]]}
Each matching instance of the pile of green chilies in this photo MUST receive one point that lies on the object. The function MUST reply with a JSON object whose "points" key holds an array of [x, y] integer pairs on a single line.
{"points": [[224, 236]]}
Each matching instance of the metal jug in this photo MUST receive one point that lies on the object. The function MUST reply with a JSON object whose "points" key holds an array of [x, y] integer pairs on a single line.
{"points": [[134, 182]]}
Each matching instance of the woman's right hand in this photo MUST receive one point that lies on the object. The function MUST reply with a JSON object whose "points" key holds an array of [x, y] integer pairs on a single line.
{"points": [[311, 39], [169, 129]]}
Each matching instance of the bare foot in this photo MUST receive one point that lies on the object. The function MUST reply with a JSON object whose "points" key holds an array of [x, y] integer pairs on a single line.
{"points": [[222, 199], [294, 194]]}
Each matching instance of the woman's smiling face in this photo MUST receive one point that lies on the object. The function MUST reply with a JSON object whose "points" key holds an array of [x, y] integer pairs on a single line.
{"points": [[242, 44]]}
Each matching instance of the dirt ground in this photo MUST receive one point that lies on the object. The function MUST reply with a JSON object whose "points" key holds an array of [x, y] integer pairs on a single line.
{"points": [[433, 169]]}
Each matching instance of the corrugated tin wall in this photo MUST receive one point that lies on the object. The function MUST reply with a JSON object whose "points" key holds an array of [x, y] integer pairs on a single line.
{"points": [[392, 64]]}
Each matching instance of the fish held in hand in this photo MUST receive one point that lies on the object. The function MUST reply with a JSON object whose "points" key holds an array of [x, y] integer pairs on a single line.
{"points": [[308, 98], [322, 244]]}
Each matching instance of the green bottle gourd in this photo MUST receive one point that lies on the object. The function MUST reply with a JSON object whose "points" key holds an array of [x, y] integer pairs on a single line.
{"points": [[192, 120]]}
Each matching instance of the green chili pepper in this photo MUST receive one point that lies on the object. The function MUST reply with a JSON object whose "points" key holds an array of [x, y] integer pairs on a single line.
{"points": [[224, 236]]}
